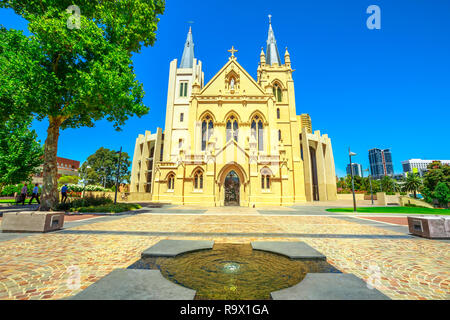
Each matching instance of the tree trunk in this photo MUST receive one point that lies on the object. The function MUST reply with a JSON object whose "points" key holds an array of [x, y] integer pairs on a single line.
{"points": [[50, 195], [415, 196]]}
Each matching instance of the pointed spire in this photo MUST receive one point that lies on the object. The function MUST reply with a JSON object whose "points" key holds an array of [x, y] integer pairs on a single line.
{"points": [[272, 55], [188, 53], [262, 58], [287, 58]]}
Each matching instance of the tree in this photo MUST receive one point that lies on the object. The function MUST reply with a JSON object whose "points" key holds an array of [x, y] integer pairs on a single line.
{"points": [[68, 180], [388, 184], [413, 183], [100, 168], [78, 68], [20, 152], [442, 194], [437, 173]]}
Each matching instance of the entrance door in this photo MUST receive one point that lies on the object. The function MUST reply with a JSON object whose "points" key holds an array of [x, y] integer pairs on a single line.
{"points": [[232, 185]]}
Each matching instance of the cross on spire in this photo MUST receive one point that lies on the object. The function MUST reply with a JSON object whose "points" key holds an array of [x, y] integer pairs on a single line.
{"points": [[232, 50], [270, 18]]}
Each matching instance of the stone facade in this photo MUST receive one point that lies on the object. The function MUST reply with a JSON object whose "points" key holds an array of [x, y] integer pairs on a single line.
{"points": [[234, 140]]}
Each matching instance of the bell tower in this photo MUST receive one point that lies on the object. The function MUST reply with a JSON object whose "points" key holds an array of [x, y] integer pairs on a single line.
{"points": [[275, 77], [182, 78]]}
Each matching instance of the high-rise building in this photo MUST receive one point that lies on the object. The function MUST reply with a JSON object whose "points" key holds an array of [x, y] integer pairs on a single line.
{"points": [[380, 163], [357, 169], [418, 165]]}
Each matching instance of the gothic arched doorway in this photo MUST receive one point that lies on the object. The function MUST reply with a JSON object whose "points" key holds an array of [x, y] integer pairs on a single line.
{"points": [[232, 187]]}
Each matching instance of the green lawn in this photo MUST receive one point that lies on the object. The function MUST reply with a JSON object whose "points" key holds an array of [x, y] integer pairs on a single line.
{"points": [[409, 210], [7, 201]]}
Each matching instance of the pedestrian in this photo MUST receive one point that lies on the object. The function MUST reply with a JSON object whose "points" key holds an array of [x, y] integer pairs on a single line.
{"points": [[35, 194], [23, 194], [64, 193]]}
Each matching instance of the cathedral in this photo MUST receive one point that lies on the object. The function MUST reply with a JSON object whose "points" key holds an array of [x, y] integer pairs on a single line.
{"points": [[233, 140]]}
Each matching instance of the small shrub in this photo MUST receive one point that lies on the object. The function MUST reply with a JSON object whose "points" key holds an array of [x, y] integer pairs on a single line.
{"points": [[109, 208], [63, 207], [91, 201]]}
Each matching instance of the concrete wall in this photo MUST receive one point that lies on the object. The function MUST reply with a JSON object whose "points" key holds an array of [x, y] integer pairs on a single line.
{"points": [[131, 196], [349, 196], [407, 200]]}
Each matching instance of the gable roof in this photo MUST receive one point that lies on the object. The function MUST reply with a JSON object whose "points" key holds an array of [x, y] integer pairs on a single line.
{"points": [[246, 77]]}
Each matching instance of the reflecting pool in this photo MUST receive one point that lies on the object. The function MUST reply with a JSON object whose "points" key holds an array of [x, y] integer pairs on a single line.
{"points": [[233, 271]]}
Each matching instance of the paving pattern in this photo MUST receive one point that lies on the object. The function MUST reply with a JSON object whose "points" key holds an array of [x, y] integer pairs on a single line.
{"points": [[59, 265]]}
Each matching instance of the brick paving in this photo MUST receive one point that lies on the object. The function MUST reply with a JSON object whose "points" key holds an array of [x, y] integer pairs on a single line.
{"points": [[44, 266], [395, 220]]}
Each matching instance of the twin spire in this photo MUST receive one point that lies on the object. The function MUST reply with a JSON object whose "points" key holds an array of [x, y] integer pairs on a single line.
{"points": [[187, 60], [272, 55]]}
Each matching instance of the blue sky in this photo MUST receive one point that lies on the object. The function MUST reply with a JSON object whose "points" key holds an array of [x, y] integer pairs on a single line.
{"points": [[387, 88]]}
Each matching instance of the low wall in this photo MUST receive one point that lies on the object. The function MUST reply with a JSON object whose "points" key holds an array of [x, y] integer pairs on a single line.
{"points": [[349, 196], [384, 199], [407, 200], [122, 196]]}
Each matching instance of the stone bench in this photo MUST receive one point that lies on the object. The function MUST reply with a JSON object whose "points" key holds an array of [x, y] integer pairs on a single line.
{"points": [[32, 221], [431, 227]]}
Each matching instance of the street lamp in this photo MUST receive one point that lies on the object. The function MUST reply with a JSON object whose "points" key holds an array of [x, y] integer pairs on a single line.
{"points": [[350, 154], [370, 181], [84, 180], [117, 175]]}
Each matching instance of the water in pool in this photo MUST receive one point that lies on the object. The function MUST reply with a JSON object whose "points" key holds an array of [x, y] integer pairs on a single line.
{"points": [[233, 271]]}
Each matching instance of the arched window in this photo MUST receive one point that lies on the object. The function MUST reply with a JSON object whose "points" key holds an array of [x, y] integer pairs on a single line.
{"points": [[198, 180], [279, 135], [278, 113], [265, 182], [258, 132], [232, 129], [207, 131], [277, 92], [171, 182]]}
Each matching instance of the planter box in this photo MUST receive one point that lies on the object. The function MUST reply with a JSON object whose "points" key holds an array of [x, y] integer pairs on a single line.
{"points": [[32, 221], [434, 227]]}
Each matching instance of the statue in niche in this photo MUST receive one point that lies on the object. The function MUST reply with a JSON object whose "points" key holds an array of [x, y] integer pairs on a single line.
{"points": [[232, 84]]}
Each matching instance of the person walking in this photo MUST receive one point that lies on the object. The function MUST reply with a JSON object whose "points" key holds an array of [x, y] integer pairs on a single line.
{"points": [[64, 193], [23, 194], [35, 194]]}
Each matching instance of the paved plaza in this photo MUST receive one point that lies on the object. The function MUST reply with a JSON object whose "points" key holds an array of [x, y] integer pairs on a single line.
{"points": [[376, 248]]}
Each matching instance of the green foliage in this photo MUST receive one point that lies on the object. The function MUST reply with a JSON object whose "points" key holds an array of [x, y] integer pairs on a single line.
{"points": [[68, 180], [76, 76], [109, 208], [412, 183], [442, 194], [103, 168], [388, 184], [437, 173], [408, 210], [20, 153], [9, 190], [84, 202], [362, 185]]}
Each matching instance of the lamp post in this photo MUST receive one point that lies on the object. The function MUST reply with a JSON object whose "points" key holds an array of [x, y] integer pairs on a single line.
{"points": [[83, 181], [370, 181], [117, 175], [350, 154]]}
